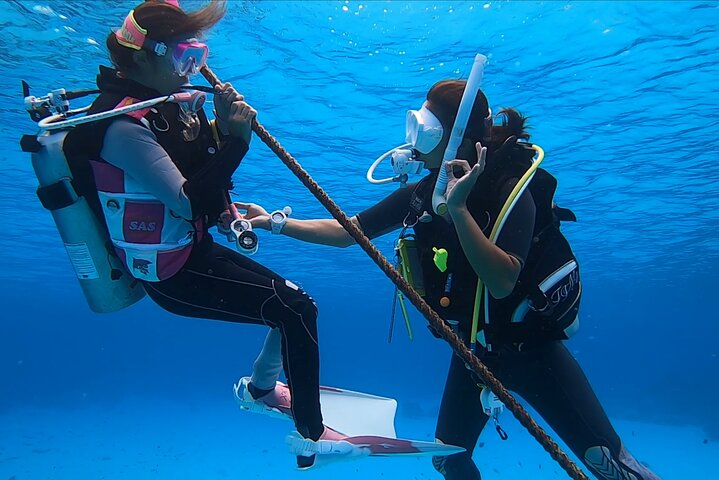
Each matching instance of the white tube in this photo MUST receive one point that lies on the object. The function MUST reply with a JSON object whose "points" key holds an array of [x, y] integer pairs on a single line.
{"points": [[439, 203], [376, 163], [56, 122]]}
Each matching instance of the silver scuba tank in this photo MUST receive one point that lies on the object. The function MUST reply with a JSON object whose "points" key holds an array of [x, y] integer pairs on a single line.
{"points": [[107, 285]]}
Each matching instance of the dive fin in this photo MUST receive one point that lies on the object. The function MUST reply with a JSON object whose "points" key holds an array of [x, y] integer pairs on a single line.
{"points": [[345, 411], [351, 448], [355, 413]]}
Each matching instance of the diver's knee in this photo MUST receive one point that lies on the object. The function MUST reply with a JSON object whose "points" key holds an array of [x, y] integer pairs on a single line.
{"points": [[296, 299]]}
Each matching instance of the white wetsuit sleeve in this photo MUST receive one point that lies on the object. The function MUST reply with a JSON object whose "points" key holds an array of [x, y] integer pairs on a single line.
{"points": [[134, 149]]}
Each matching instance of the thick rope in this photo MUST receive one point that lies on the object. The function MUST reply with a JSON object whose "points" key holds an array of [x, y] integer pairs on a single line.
{"points": [[439, 325]]}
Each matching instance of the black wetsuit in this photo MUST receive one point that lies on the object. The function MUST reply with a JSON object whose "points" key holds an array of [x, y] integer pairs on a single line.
{"points": [[545, 374]]}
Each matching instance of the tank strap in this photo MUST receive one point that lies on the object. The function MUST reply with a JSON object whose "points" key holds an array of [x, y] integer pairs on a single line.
{"points": [[58, 195]]}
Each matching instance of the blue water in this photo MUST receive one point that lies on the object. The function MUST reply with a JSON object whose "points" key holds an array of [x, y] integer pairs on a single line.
{"points": [[624, 98]]}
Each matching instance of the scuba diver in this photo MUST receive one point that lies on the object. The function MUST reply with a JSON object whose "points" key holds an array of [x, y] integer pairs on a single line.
{"points": [[491, 260], [134, 187], [158, 178]]}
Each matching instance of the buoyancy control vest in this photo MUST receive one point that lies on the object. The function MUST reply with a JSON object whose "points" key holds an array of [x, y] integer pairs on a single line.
{"points": [[545, 301], [152, 241]]}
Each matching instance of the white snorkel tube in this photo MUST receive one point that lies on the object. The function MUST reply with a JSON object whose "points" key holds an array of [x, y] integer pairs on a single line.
{"points": [[439, 201]]}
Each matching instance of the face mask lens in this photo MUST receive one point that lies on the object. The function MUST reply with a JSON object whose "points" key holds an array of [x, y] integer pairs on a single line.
{"points": [[423, 130], [184, 69], [189, 57], [412, 127]]}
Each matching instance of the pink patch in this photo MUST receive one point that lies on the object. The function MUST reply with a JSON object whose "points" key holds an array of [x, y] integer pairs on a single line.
{"points": [[108, 178], [143, 222], [384, 445], [169, 263], [137, 114]]}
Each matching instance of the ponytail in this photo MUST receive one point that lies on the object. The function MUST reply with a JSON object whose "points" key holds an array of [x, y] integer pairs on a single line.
{"points": [[511, 122]]}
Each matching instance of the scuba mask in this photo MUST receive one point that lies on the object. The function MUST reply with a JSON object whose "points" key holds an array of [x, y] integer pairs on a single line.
{"points": [[188, 56], [423, 130], [423, 133]]}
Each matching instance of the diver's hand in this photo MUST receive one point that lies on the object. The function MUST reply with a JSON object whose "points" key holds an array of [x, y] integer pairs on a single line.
{"points": [[258, 216], [458, 188], [234, 115]]}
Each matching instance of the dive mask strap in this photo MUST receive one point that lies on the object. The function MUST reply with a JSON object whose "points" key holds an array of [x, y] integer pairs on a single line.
{"points": [[488, 124], [132, 35]]}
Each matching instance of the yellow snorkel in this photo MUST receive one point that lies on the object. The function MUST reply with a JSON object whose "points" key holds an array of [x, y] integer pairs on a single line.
{"points": [[514, 196]]}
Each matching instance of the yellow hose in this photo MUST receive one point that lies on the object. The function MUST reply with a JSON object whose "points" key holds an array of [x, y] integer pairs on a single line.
{"points": [[503, 214]]}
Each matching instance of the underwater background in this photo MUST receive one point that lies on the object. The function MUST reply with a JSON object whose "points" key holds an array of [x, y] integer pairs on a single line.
{"points": [[622, 96]]}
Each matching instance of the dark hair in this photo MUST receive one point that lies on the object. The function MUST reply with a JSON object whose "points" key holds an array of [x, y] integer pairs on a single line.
{"points": [[165, 22], [444, 98]]}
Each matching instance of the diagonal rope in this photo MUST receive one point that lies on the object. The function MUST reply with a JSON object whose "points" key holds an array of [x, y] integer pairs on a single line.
{"points": [[460, 349]]}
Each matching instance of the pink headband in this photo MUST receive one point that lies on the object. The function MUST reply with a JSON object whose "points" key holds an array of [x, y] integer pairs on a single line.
{"points": [[132, 35]]}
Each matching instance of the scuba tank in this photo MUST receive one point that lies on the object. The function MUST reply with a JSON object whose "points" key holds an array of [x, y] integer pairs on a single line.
{"points": [[107, 286]]}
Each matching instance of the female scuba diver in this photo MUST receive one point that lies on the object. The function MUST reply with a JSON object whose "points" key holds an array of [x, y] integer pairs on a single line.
{"points": [[530, 274], [159, 178]]}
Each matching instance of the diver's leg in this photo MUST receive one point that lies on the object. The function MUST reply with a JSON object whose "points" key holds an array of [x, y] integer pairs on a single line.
{"points": [[268, 365], [551, 380], [295, 315], [460, 422], [219, 283]]}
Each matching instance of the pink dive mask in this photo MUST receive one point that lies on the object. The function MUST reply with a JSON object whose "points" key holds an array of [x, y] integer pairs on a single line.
{"points": [[188, 57]]}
